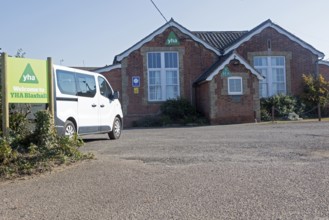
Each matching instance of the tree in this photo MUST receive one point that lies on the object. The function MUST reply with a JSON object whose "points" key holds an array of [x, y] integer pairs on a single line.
{"points": [[20, 53], [316, 91]]}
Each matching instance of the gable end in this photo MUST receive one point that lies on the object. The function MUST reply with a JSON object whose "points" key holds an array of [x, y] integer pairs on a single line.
{"points": [[279, 29], [160, 30]]}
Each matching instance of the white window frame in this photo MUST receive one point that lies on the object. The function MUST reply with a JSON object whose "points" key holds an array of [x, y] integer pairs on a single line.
{"points": [[163, 71], [228, 85], [269, 81]]}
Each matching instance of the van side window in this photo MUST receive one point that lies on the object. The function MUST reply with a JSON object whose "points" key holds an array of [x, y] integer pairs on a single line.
{"points": [[66, 82], [86, 85], [104, 87]]}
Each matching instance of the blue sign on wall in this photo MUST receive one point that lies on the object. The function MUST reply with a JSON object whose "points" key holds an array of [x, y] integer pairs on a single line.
{"points": [[136, 81]]}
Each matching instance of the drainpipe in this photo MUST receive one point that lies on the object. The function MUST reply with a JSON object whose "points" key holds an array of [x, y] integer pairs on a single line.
{"points": [[317, 74]]}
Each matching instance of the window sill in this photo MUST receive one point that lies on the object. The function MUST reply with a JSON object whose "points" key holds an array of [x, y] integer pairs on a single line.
{"points": [[235, 94]]}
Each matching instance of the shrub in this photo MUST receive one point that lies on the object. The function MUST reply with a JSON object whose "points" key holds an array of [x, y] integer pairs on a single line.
{"points": [[316, 90], [177, 109], [173, 111], [181, 111], [265, 115], [283, 104], [19, 129], [39, 150], [6, 152]]}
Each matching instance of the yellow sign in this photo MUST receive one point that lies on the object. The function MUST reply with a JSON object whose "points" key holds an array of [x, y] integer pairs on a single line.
{"points": [[136, 90], [27, 81]]}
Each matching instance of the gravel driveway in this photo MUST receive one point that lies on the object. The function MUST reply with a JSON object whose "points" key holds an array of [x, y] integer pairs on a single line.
{"points": [[249, 171]]}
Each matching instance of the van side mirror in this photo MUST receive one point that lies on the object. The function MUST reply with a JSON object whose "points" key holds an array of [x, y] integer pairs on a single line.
{"points": [[115, 95]]}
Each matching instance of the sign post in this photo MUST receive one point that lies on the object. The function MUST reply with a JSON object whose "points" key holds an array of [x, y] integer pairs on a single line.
{"points": [[50, 87], [5, 104]]}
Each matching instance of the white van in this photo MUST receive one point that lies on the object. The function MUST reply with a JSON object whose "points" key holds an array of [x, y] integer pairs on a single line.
{"points": [[85, 103]]}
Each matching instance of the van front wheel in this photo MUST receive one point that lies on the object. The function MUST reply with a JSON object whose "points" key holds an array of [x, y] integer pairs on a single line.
{"points": [[69, 129], [116, 129]]}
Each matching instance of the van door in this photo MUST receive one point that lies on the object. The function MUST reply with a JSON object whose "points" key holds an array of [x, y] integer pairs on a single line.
{"points": [[66, 100], [106, 110], [88, 108]]}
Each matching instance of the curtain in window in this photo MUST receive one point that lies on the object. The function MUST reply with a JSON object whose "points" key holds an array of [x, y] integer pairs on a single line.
{"points": [[172, 84], [273, 69], [155, 85], [154, 60], [278, 80], [171, 60], [163, 75]]}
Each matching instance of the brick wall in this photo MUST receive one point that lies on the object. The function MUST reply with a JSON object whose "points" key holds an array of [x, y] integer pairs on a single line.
{"points": [[114, 78], [202, 94], [194, 59], [298, 59], [210, 98], [324, 70], [236, 108], [222, 108]]}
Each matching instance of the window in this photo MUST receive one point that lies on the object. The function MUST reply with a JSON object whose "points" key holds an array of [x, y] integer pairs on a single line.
{"points": [[273, 69], [104, 87], [163, 76], [269, 45], [234, 85], [72, 83], [86, 85], [66, 82]]}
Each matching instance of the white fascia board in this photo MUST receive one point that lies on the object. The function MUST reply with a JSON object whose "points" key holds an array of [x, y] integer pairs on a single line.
{"points": [[323, 62], [281, 31], [120, 57], [108, 68], [248, 66], [247, 38], [227, 61]]}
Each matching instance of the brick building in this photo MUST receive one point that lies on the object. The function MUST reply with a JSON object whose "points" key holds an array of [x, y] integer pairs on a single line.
{"points": [[324, 69], [223, 73]]}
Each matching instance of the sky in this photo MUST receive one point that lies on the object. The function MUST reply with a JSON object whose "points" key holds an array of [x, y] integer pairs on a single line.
{"points": [[91, 33]]}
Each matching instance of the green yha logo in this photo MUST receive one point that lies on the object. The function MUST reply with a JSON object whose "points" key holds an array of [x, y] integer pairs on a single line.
{"points": [[28, 75]]}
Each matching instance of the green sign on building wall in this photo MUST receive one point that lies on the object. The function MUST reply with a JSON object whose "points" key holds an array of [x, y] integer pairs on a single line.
{"points": [[172, 39], [27, 81], [226, 72]]}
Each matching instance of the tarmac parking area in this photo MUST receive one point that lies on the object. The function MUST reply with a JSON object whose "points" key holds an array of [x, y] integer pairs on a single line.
{"points": [[248, 171]]}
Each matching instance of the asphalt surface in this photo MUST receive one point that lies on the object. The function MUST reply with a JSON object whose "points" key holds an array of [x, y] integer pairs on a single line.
{"points": [[249, 171]]}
